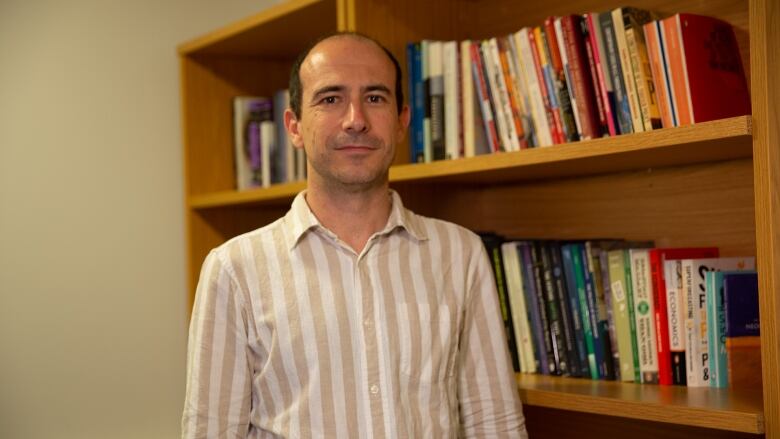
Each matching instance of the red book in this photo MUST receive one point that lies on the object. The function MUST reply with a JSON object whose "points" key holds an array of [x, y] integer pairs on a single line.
{"points": [[582, 82], [593, 35], [603, 126], [657, 258], [716, 80]]}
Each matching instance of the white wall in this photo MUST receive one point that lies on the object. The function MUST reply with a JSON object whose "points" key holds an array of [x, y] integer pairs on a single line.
{"points": [[92, 272]]}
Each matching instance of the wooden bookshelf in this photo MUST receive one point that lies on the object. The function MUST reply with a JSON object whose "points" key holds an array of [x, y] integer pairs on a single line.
{"points": [[713, 183]]}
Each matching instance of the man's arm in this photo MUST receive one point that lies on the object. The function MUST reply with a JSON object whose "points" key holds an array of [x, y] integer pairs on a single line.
{"points": [[218, 398], [487, 391]]}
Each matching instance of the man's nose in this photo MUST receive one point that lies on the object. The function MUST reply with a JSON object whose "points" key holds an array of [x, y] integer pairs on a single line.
{"points": [[355, 119]]}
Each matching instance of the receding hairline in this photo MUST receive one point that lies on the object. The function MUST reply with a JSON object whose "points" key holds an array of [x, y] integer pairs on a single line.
{"points": [[342, 36]]}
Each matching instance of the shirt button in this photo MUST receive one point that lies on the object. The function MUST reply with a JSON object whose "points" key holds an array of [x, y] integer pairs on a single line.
{"points": [[374, 389], [367, 322]]}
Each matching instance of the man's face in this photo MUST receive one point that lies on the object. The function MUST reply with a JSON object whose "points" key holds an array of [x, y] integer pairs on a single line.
{"points": [[349, 122]]}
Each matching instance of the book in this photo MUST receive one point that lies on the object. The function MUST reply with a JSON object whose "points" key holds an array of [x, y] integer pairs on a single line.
{"points": [[559, 81], [742, 329], [450, 69], [425, 68], [658, 258], [534, 300], [644, 314], [675, 302], [283, 157], [248, 113], [674, 54], [716, 328], [604, 81], [501, 102], [543, 269], [417, 96], [640, 66], [268, 150], [592, 66], [518, 309], [599, 305], [694, 289], [492, 244], [521, 88], [486, 108], [623, 113], [618, 21], [714, 75], [542, 126], [573, 352], [582, 83], [516, 105], [660, 78], [436, 99], [574, 275]]}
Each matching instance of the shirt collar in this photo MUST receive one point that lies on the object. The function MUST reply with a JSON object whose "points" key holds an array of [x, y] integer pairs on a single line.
{"points": [[300, 219]]}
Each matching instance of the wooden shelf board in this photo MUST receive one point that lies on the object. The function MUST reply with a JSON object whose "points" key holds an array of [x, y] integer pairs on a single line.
{"points": [[705, 142], [723, 409], [267, 33]]}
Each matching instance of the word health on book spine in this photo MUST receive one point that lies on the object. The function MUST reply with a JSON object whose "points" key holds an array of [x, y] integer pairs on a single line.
{"points": [[575, 77], [263, 154], [628, 311]]}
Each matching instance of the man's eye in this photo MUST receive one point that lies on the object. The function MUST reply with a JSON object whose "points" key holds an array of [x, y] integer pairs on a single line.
{"points": [[376, 99], [329, 100]]}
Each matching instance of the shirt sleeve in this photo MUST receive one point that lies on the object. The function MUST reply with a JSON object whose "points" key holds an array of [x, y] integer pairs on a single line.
{"points": [[487, 391], [218, 397]]}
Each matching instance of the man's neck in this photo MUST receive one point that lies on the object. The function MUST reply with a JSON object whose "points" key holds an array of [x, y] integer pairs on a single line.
{"points": [[353, 216]]}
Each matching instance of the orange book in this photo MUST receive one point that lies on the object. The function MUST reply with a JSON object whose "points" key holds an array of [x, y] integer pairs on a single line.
{"points": [[658, 71], [675, 59]]}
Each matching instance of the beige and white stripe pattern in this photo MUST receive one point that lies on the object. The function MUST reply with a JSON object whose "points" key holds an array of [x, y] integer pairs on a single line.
{"points": [[293, 335]]}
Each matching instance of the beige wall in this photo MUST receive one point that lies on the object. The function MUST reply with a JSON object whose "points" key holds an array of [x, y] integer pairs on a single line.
{"points": [[92, 272]]}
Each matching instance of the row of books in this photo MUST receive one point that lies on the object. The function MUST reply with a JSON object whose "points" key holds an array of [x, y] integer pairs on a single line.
{"points": [[575, 77], [620, 310], [263, 154]]}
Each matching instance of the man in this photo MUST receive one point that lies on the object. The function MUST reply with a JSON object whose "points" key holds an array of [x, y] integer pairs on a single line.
{"points": [[350, 316]]}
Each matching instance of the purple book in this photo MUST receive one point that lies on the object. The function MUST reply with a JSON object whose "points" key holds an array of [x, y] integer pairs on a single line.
{"points": [[740, 301]]}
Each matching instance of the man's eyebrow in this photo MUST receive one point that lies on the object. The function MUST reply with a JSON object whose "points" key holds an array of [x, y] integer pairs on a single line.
{"points": [[327, 89], [377, 87]]}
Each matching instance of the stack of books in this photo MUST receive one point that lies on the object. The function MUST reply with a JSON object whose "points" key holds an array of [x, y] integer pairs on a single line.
{"points": [[622, 310], [574, 77]]}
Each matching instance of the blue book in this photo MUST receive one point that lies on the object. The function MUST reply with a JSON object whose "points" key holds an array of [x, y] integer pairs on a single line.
{"points": [[740, 303], [536, 311], [575, 285], [616, 72], [416, 102], [716, 325]]}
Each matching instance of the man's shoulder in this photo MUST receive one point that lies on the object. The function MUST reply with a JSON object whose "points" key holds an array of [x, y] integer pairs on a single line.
{"points": [[253, 238], [466, 236]]}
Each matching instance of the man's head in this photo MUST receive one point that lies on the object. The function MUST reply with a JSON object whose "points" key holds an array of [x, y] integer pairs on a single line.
{"points": [[349, 116], [296, 88]]}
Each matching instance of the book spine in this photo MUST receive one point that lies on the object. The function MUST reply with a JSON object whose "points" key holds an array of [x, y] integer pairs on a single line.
{"points": [[481, 85], [268, 148], [661, 317], [417, 103], [644, 315], [468, 123], [538, 111], [675, 58], [543, 86], [664, 57], [560, 81], [582, 83], [553, 310], [575, 279], [562, 47], [515, 100], [716, 321], [629, 286], [436, 93], [451, 102], [606, 283], [658, 73], [620, 311], [602, 115], [503, 300], [503, 93], [598, 310], [521, 88], [536, 315], [692, 348], [676, 308], [518, 310], [550, 337], [619, 21], [573, 353], [602, 81], [616, 72], [643, 76]]}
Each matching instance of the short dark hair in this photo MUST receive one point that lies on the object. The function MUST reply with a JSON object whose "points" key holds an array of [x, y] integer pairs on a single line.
{"points": [[296, 88]]}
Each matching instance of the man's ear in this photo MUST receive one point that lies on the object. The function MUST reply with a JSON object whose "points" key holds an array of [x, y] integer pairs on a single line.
{"points": [[403, 120], [293, 127]]}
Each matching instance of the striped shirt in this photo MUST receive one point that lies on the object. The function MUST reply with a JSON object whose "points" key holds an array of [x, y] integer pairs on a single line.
{"points": [[293, 334]]}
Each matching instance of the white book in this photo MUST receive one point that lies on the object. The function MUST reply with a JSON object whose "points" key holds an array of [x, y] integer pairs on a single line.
{"points": [[241, 160], [644, 314], [526, 61], [522, 328], [503, 94], [284, 160], [697, 359], [520, 95], [495, 96], [267, 146], [675, 308], [451, 102], [469, 100]]}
